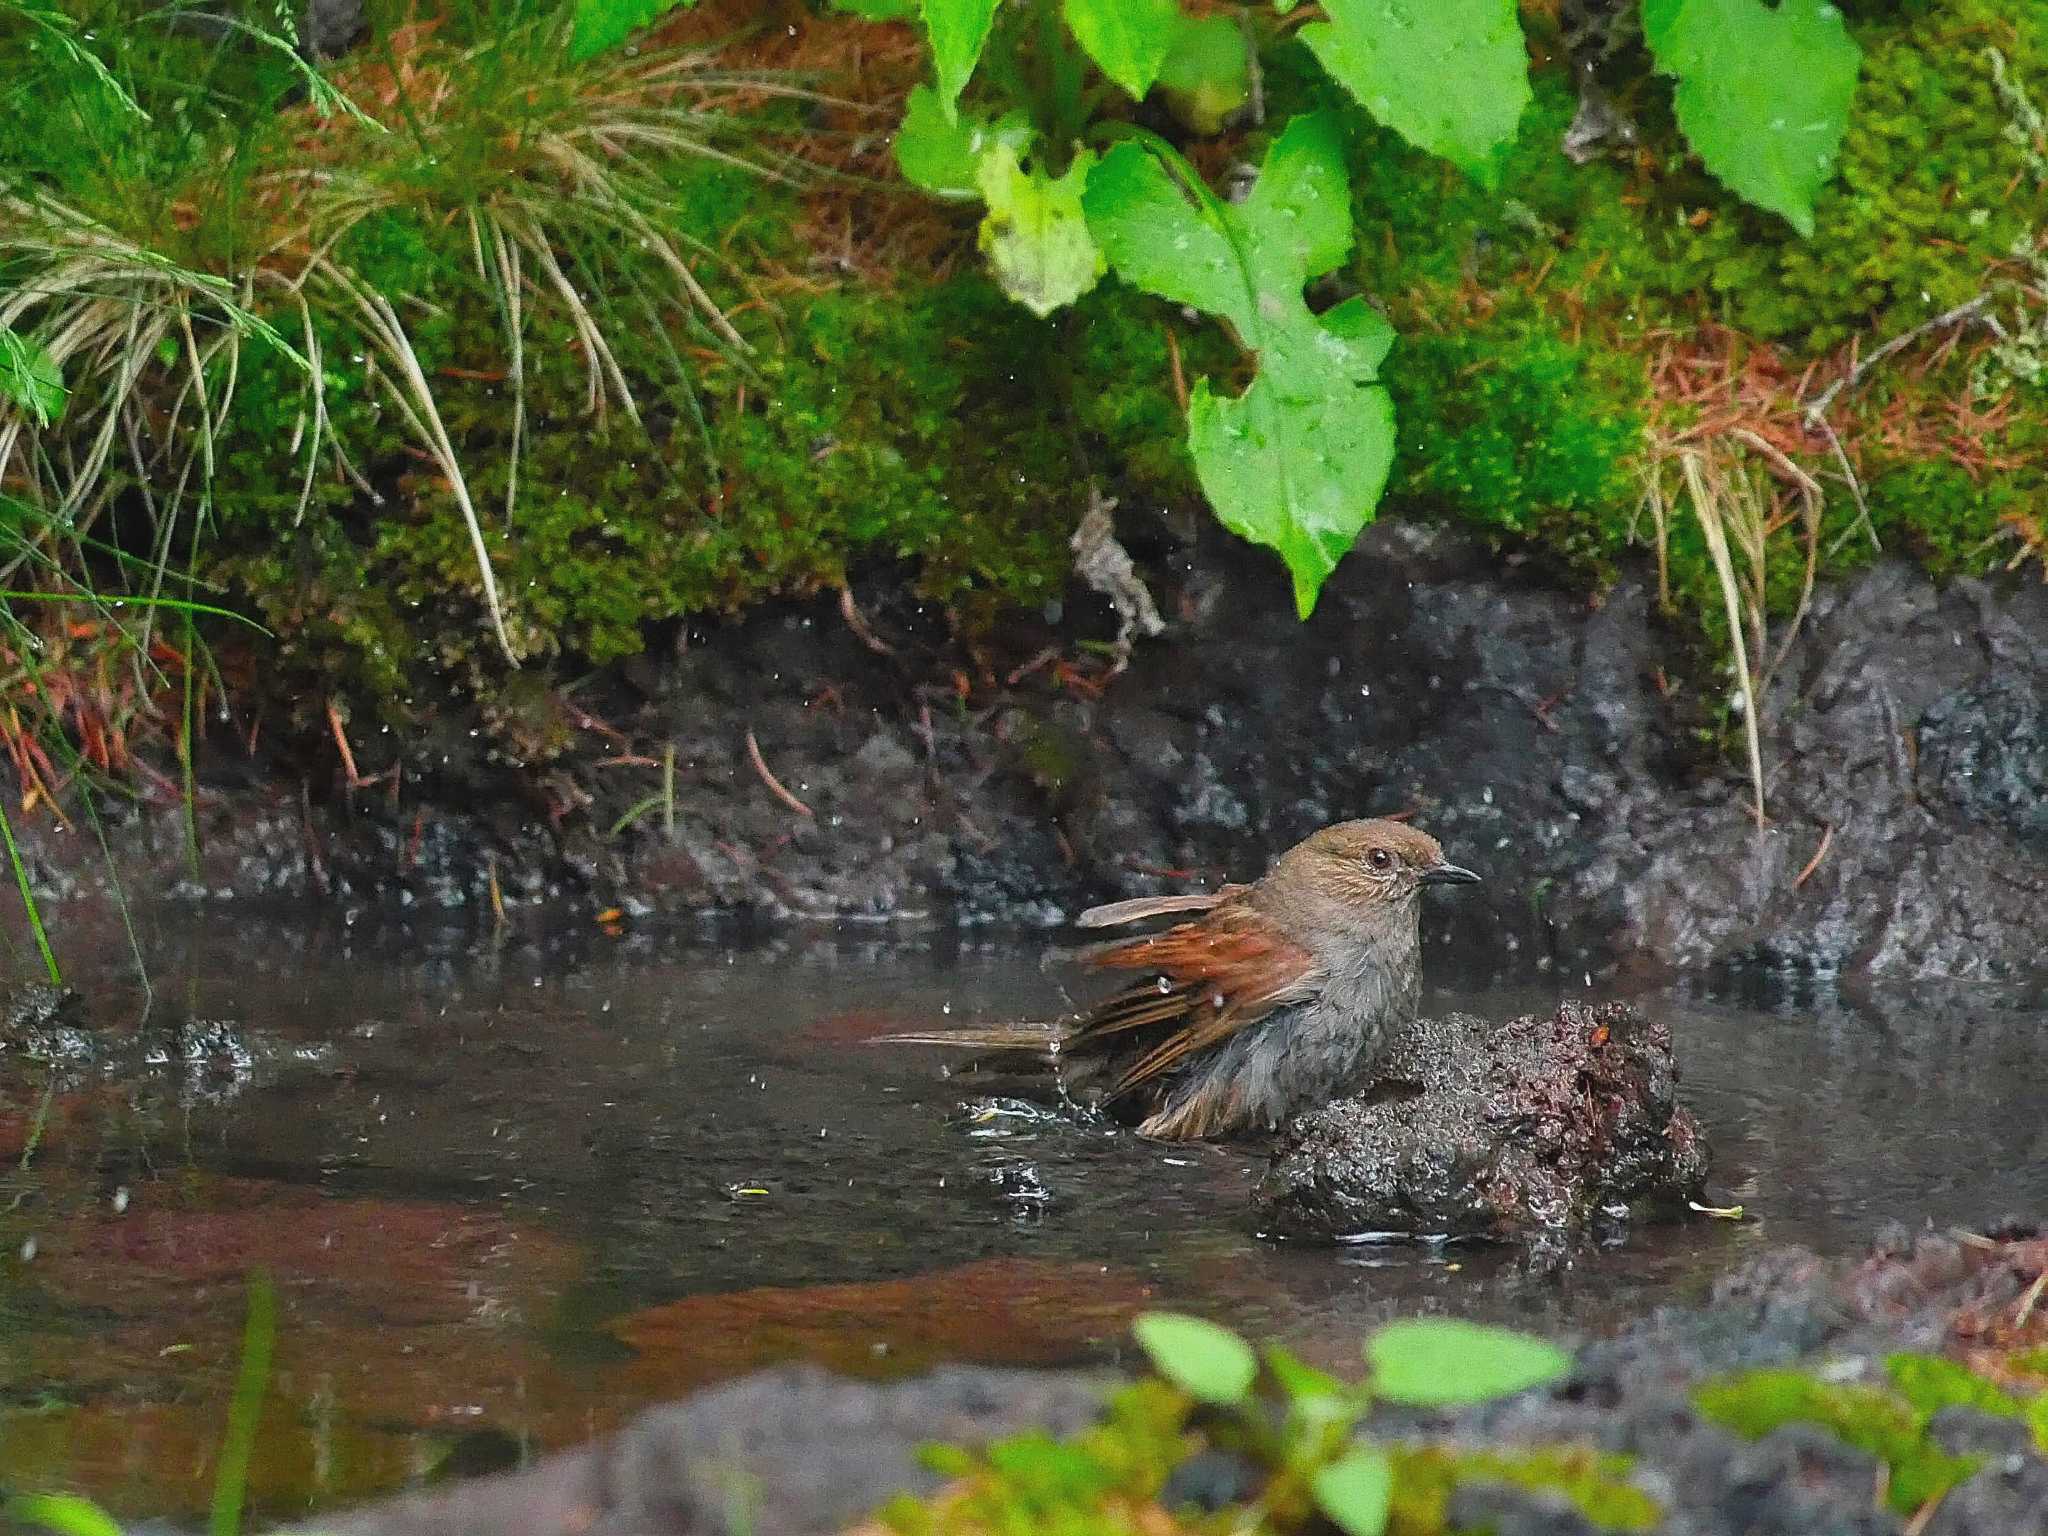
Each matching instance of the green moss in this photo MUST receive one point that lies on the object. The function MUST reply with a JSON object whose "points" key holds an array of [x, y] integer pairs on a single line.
{"points": [[1886, 1424], [1099, 1483], [1595, 1484], [1931, 1383], [1509, 427], [940, 426], [1932, 192]]}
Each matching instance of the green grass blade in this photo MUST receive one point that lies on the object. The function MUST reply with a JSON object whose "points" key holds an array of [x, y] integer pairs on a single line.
{"points": [[28, 900], [259, 1341]]}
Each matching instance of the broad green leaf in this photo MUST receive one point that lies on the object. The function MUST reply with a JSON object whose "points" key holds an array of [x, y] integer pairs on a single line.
{"points": [[1157, 241], [944, 157], [1298, 461], [1763, 93], [1356, 1490], [599, 25], [958, 30], [1449, 76], [1204, 1360], [1302, 201], [30, 377], [1430, 1361], [1206, 74], [1035, 234], [1127, 39]]}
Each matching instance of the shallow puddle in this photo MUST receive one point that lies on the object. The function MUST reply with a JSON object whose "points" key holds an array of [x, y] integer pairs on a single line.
{"points": [[508, 1192]]}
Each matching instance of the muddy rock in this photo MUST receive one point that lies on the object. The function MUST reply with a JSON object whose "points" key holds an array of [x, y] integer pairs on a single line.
{"points": [[1541, 1125], [792, 1451]]}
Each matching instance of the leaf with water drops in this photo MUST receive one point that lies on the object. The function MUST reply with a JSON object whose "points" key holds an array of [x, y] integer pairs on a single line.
{"points": [[1298, 461], [1763, 93], [598, 25], [1450, 76], [1034, 234]]}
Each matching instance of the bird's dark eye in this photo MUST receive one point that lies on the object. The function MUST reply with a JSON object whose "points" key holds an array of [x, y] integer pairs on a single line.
{"points": [[1379, 858]]}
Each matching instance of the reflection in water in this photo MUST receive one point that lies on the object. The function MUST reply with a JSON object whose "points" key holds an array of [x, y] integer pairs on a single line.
{"points": [[511, 1192]]}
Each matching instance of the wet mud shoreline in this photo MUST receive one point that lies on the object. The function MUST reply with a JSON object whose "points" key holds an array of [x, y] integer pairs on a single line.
{"points": [[824, 769]]}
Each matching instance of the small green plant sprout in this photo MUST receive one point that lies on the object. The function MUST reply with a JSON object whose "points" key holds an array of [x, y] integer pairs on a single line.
{"points": [[1307, 1432]]}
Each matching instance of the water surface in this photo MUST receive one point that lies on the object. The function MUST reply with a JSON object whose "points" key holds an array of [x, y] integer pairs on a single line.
{"points": [[510, 1189]]}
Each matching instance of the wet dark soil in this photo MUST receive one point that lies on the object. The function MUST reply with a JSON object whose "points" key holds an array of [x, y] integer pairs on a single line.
{"points": [[1551, 744]]}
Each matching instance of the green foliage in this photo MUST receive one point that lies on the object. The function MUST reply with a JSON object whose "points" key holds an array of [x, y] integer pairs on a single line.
{"points": [[1434, 1361], [1035, 235], [30, 378], [597, 25], [1127, 39], [1356, 1491], [1450, 76], [1206, 74], [1931, 1383], [1313, 1468], [1886, 1425], [943, 155], [1763, 92], [1091, 1485], [1929, 197], [1595, 1484], [1298, 460], [1209, 1363], [958, 30]]}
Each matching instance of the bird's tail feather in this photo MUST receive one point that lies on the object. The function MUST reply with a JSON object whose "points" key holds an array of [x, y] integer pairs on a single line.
{"points": [[1042, 1037]]}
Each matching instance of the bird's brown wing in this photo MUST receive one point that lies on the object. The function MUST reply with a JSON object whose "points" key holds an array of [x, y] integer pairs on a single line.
{"points": [[1206, 980]]}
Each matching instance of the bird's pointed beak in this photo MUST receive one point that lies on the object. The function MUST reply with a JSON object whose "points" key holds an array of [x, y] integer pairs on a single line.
{"points": [[1448, 874]]}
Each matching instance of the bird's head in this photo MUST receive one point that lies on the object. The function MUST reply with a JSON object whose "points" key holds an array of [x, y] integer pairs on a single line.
{"points": [[1367, 870]]}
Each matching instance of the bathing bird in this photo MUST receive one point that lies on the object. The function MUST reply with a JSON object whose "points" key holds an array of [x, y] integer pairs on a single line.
{"points": [[1260, 1005]]}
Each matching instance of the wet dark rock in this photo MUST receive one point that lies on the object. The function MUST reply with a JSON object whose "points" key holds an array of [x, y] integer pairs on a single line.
{"points": [[1505, 1510], [791, 1451], [1211, 1479], [1984, 751], [2007, 1497], [40, 1022], [1533, 732], [1962, 1431], [1475, 1129]]}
